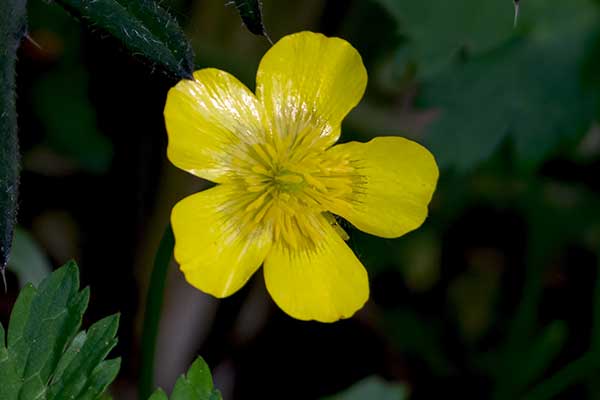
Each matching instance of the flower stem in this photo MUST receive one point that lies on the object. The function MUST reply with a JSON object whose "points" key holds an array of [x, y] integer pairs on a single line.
{"points": [[154, 303]]}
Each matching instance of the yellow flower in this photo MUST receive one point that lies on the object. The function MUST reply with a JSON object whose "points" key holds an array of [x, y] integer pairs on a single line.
{"points": [[279, 180]]}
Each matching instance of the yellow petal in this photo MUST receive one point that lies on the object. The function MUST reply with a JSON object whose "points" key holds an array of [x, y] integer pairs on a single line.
{"points": [[308, 83], [208, 120], [213, 253], [397, 179], [324, 283]]}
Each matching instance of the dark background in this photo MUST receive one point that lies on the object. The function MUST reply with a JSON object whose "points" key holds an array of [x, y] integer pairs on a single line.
{"points": [[494, 297]]}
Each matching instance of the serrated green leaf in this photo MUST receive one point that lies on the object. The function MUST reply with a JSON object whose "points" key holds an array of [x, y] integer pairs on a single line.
{"points": [[73, 382], [69, 354], [12, 29], [251, 14], [8, 376], [45, 359], [101, 377], [55, 315], [528, 91], [143, 27], [196, 385], [20, 314], [372, 388]]}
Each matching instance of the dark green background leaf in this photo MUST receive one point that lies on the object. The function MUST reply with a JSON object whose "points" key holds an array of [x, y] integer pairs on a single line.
{"points": [[438, 29], [251, 14], [143, 27], [524, 91]]}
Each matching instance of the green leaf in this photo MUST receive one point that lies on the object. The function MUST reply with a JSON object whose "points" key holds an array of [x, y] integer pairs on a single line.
{"points": [[438, 29], [540, 354], [9, 379], [420, 337], [12, 29], [577, 371], [196, 385], [527, 91], [154, 301], [46, 357], [251, 14], [61, 101], [101, 377], [74, 380], [159, 394], [373, 388], [27, 259], [143, 27]]}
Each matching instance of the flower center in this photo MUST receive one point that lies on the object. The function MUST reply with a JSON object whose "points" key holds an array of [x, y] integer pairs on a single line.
{"points": [[290, 192]]}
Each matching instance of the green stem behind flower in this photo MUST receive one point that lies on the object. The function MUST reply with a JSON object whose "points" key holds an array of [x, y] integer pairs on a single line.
{"points": [[154, 303]]}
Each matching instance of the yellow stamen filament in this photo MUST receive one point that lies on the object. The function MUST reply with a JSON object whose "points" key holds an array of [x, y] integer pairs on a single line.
{"points": [[286, 183]]}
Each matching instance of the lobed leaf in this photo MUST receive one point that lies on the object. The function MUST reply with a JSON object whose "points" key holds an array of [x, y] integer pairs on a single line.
{"points": [[73, 381], [143, 27], [196, 385], [439, 29], [45, 357], [527, 91]]}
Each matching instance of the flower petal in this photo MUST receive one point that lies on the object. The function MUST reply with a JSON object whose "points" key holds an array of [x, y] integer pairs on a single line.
{"points": [[397, 180], [324, 283], [308, 83], [207, 120], [210, 246]]}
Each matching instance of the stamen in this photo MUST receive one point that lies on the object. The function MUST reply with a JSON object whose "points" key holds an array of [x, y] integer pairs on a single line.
{"points": [[288, 186], [289, 179], [259, 201]]}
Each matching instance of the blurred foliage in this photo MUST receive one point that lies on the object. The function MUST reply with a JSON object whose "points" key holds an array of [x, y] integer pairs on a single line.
{"points": [[528, 94], [45, 356], [372, 388], [61, 95], [528, 81], [27, 259], [438, 30]]}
